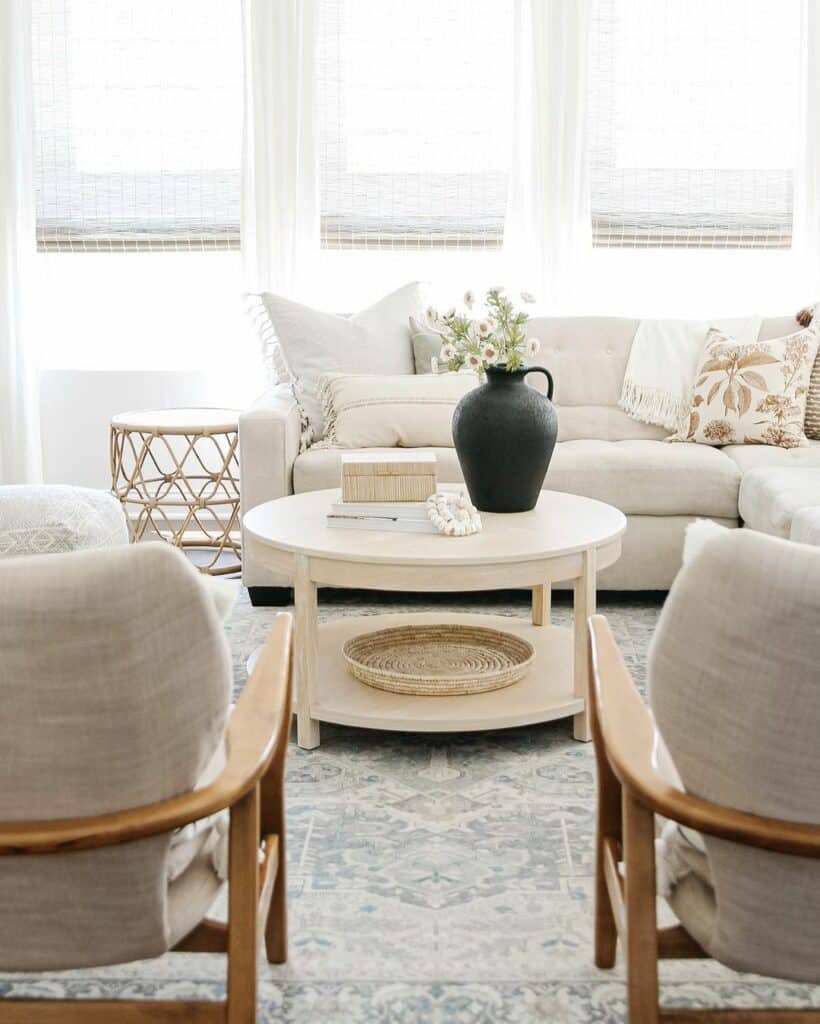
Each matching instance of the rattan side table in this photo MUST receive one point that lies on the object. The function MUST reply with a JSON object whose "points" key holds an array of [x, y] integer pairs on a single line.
{"points": [[176, 474]]}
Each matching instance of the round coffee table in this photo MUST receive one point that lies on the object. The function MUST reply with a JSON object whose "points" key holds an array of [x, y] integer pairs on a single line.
{"points": [[564, 538]]}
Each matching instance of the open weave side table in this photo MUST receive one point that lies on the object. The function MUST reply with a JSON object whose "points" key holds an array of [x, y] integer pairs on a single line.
{"points": [[176, 474]]}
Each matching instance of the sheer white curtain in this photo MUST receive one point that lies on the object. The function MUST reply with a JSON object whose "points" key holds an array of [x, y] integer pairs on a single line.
{"points": [[548, 232], [20, 460], [280, 208], [806, 235]]}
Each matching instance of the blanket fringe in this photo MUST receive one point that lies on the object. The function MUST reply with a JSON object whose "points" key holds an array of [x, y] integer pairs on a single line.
{"points": [[649, 405]]}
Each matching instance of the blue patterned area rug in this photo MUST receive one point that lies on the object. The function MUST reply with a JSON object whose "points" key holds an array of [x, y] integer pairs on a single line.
{"points": [[437, 879]]}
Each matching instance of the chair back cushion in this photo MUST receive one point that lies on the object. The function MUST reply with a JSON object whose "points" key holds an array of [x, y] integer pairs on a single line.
{"points": [[115, 682], [734, 672]]}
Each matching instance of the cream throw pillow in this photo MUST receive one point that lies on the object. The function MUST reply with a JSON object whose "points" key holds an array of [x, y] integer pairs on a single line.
{"points": [[314, 343], [392, 412], [751, 394]]}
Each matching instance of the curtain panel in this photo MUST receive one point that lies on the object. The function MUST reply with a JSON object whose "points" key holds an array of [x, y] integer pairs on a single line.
{"points": [[279, 203], [548, 230], [20, 456], [806, 234]]}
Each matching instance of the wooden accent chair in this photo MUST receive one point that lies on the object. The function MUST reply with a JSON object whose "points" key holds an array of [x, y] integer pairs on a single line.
{"points": [[734, 673], [115, 737]]}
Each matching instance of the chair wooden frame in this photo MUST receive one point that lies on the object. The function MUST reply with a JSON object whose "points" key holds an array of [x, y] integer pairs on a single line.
{"points": [[251, 787], [630, 793]]}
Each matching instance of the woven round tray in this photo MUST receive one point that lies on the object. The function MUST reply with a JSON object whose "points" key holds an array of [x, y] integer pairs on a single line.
{"points": [[438, 660]]}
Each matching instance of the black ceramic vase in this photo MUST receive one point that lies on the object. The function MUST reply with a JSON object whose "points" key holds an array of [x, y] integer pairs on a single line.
{"points": [[504, 433]]}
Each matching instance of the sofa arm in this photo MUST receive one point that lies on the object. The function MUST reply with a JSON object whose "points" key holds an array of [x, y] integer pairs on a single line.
{"points": [[269, 433]]}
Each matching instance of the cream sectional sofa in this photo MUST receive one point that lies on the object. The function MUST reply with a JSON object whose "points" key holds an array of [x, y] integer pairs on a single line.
{"points": [[601, 453]]}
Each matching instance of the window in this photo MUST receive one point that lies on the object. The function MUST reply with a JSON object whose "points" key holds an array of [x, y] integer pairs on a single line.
{"points": [[693, 107], [414, 107], [138, 115]]}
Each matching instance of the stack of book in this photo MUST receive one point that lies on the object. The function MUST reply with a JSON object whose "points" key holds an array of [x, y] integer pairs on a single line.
{"points": [[385, 492]]}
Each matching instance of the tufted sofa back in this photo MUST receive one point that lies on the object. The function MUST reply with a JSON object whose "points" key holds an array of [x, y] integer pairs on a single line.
{"points": [[587, 356]]}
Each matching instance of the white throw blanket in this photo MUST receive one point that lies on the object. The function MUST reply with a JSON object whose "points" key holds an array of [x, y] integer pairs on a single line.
{"points": [[662, 363]]}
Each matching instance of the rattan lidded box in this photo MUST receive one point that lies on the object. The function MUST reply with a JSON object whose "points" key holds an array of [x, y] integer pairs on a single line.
{"points": [[400, 476]]}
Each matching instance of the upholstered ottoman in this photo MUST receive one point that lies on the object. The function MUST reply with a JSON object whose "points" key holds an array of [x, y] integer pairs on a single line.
{"points": [[56, 517], [781, 501]]}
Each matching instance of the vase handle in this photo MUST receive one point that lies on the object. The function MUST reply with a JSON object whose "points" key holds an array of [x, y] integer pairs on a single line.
{"points": [[547, 374]]}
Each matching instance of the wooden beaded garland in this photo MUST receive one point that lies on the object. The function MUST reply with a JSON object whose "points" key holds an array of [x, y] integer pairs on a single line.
{"points": [[453, 514]]}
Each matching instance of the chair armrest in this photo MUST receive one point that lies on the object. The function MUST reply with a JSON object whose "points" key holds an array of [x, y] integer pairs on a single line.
{"points": [[269, 438], [629, 737], [258, 726]]}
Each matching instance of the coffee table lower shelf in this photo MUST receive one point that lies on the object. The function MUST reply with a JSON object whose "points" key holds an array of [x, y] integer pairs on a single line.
{"points": [[545, 693]]}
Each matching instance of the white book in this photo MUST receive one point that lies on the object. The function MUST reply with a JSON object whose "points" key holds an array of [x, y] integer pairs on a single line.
{"points": [[390, 523], [388, 509]]}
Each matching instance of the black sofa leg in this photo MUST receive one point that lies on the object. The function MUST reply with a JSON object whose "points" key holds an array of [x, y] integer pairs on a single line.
{"points": [[270, 597]]}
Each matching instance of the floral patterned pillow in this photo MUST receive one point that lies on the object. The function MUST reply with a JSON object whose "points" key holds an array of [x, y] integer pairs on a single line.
{"points": [[751, 394]]}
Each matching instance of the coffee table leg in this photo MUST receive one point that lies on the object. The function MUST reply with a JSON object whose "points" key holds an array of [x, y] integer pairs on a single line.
{"points": [[583, 606], [541, 604], [305, 654]]}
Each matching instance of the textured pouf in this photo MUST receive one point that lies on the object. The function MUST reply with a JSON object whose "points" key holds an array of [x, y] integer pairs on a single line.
{"points": [[48, 519]]}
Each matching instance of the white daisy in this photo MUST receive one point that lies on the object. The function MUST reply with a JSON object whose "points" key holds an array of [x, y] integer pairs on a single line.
{"points": [[484, 327], [447, 353], [469, 298], [473, 361], [489, 354], [431, 313]]}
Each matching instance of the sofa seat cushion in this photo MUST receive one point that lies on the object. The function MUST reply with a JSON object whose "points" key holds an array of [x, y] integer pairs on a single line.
{"points": [[638, 477], [648, 477], [770, 496], [752, 456]]}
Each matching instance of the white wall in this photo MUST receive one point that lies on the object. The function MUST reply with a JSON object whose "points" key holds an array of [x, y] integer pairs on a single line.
{"points": [[129, 331]]}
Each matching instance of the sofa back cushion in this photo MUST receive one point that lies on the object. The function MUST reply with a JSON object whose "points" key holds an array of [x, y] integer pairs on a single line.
{"points": [[587, 356]]}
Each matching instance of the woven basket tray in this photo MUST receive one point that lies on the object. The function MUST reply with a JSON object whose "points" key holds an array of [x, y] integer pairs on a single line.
{"points": [[438, 660]]}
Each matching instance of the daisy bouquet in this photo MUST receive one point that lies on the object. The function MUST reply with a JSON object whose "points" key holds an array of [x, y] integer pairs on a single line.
{"points": [[494, 335]]}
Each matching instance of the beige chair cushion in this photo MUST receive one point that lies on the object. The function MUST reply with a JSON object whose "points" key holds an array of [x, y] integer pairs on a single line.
{"points": [[770, 497], [733, 687], [115, 679], [640, 477]]}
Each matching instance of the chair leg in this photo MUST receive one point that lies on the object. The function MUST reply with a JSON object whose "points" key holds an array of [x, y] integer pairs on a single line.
{"points": [[272, 794], [608, 827], [606, 932], [641, 921], [243, 896], [276, 927], [273, 823]]}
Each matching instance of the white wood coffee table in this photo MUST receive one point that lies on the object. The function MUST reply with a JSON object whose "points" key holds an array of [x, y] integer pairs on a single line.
{"points": [[565, 538]]}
